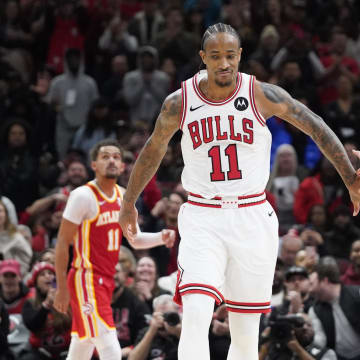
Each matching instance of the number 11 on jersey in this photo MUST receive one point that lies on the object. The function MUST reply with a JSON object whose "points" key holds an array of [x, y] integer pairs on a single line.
{"points": [[217, 174], [114, 241]]}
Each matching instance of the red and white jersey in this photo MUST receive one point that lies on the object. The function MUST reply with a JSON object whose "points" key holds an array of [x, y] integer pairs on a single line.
{"points": [[225, 144], [98, 240]]}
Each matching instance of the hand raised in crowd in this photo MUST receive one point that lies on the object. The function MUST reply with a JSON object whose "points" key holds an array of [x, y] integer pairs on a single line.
{"points": [[143, 289], [160, 207], [50, 297], [296, 303]]}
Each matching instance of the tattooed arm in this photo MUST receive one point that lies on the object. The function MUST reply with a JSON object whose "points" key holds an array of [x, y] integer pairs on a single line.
{"points": [[149, 160], [273, 100]]}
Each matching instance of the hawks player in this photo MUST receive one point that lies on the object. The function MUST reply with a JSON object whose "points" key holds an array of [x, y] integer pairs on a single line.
{"points": [[91, 223], [228, 230]]}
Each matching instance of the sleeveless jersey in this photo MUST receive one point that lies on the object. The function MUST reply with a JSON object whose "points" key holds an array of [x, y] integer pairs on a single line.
{"points": [[225, 144], [98, 240]]}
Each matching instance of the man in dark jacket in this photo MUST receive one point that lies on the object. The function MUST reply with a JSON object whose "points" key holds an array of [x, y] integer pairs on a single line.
{"points": [[336, 312]]}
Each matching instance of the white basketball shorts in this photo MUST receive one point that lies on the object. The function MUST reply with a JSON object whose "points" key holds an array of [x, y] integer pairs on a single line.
{"points": [[228, 254]]}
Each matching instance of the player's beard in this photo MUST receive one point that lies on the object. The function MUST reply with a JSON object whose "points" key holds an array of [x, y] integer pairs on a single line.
{"points": [[223, 83], [109, 175]]}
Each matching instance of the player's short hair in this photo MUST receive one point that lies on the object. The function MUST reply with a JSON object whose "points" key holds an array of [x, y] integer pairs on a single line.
{"points": [[94, 152], [218, 28]]}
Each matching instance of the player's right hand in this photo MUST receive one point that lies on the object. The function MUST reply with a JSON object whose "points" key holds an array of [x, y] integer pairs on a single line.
{"points": [[62, 300], [128, 220]]}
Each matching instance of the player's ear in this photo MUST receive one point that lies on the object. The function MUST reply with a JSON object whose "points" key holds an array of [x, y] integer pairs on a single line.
{"points": [[239, 53], [202, 55]]}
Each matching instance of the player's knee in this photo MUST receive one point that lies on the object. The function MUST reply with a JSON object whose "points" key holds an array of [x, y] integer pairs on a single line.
{"points": [[197, 311]]}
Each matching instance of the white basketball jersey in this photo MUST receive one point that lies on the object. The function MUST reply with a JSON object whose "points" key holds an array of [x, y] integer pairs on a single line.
{"points": [[226, 144]]}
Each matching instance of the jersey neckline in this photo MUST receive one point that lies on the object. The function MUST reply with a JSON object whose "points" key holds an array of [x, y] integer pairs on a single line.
{"points": [[201, 95]]}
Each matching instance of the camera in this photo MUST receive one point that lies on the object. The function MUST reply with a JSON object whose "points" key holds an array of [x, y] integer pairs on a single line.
{"points": [[171, 318], [282, 325]]}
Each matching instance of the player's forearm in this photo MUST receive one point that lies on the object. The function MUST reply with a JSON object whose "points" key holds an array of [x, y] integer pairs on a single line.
{"points": [[145, 167], [145, 240], [61, 262], [332, 148], [297, 114]]}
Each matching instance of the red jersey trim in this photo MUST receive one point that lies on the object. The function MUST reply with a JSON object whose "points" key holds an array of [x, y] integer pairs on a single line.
{"points": [[183, 104], [247, 307], [259, 118], [100, 195], [202, 97], [194, 288]]}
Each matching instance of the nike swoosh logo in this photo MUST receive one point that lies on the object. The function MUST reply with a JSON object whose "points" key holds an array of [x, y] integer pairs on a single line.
{"points": [[195, 108], [270, 213]]}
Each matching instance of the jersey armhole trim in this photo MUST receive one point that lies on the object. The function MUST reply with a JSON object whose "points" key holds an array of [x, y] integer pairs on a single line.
{"points": [[258, 116], [183, 104]]}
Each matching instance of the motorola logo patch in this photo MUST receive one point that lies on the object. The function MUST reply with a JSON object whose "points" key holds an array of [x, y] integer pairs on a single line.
{"points": [[241, 103]]}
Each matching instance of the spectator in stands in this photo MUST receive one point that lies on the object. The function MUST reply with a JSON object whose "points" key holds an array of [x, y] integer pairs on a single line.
{"points": [[290, 245], [145, 283], [71, 94], [283, 184], [324, 187], [267, 48], [14, 293], [12, 244], [112, 89], [18, 165], [174, 42], [128, 264], [5, 353], [99, 125], [9, 205], [50, 330], [297, 298], [352, 273], [161, 338], [318, 219], [129, 313], [336, 312], [12, 290], [342, 233], [146, 24], [116, 38], [337, 63], [343, 113], [164, 215], [145, 88]]}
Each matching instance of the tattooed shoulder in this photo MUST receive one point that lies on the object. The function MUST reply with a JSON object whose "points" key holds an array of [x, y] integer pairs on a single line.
{"points": [[274, 93], [172, 104]]}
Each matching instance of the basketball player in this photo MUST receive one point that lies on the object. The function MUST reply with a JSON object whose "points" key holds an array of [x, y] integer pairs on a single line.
{"points": [[229, 232], [91, 222]]}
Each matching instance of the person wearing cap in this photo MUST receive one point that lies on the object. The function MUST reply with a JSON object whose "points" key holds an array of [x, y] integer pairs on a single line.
{"points": [[12, 290], [50, 330], [14, 293], [297, 286]]}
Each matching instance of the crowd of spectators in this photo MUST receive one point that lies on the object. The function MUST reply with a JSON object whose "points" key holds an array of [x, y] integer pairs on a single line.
{"points": [[73, 72]]}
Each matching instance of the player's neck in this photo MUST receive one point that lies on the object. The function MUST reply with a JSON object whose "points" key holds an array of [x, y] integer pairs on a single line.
{"points": [[107, 186], [214, 92]]}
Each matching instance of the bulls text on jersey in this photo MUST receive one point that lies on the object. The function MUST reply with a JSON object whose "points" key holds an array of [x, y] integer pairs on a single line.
{"points": [[209, 129]]}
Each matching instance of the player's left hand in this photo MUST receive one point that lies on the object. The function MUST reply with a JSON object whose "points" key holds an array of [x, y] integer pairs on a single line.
{"points": [[168, 237]]}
